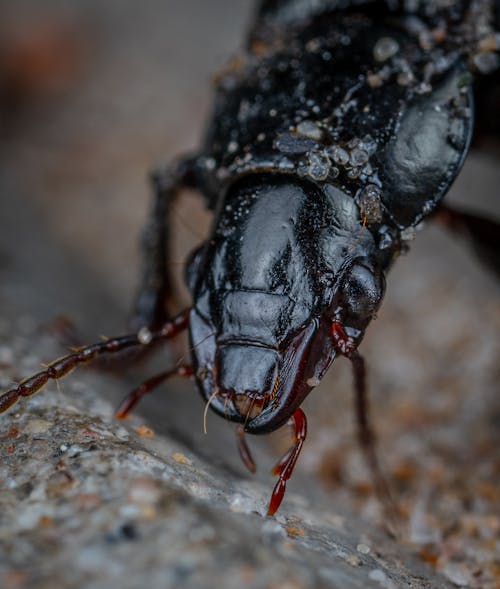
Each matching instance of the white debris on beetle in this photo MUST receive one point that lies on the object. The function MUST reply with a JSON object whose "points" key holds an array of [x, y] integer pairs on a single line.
{"points": [[408, 234], [209, 163], [319, 166], [405, 78], [223, 174], [144, 336], [310, 129], [375, 79], [489, 43], [423, 88], [313, 46], [385, 48], [486, 63], [370, 204], [385, 238], [358, 157], [339, 155], [426, 40], [313, 381], [367, 170]]}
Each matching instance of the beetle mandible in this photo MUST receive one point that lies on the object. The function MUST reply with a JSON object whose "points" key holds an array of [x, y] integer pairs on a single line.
{"points": [[338, 130]]}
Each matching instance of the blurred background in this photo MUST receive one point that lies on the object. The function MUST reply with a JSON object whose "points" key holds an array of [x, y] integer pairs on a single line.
{"points": [[93, 95]]}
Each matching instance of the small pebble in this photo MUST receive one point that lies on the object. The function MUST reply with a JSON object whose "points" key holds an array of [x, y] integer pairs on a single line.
{"points": [[380, 577], [144, 431], [354, 560], [241, 504], [40, 426], [6, 356], [180, 458], [457, 574], [363, 548], [144, 490]]}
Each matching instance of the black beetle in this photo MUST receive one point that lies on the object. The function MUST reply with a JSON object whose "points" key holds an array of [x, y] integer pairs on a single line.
{"points": [[339, 129]]}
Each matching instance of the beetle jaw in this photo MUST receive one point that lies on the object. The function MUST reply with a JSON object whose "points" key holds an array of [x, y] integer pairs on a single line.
{"points": [[272, 385]]}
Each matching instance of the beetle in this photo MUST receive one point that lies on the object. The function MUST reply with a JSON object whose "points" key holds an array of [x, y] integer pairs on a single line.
{"points": [[334, 135]]}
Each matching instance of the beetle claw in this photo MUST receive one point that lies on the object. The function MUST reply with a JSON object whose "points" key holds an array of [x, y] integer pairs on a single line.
{"points": [[285, 466]]}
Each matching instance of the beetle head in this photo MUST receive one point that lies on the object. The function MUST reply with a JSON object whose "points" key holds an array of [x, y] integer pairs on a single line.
{"points": [[286, 261]]}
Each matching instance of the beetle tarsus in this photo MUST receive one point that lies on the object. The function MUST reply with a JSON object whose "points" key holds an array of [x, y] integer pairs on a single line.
{"points": [[285, 466]]}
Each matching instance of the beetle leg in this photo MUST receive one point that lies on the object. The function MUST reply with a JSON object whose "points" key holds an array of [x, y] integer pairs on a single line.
{"points": [[367, 441], [484, 234], [150, 308], [285, 466], [243, 449], [62, 366], [487, 107], [147, 386]]}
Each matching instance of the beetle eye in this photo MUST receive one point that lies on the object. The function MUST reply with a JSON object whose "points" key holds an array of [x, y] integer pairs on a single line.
{"points": [[361, 293]]}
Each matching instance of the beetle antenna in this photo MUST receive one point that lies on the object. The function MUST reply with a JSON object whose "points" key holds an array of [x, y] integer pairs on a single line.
{"points": [[64, 365]]}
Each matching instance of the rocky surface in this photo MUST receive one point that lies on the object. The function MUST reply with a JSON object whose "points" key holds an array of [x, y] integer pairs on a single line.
{"points": [[89, 502]]}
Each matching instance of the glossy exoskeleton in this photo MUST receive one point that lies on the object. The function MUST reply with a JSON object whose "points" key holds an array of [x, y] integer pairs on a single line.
{"points": [[335, 133]]}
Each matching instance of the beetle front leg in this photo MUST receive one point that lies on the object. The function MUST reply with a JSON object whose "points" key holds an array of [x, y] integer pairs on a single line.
{"points": [[150, 308], [285, 466]]}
